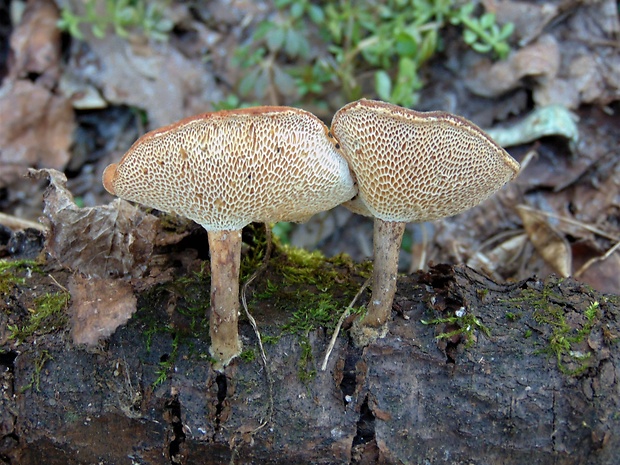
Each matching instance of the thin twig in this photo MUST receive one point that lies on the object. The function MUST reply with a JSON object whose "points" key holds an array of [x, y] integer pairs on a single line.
{"points": [[258, 271], [593, 260], [585, 226], [344, 315], [58, 284], [15, 223]]}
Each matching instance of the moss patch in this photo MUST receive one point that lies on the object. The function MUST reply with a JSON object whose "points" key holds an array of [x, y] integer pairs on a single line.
{"points": [[563, 328], [48, 314], [296, 293], [14, 272]]}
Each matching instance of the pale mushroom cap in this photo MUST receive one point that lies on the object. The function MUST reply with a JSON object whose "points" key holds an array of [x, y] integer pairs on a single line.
{"points": [[229, 168], [412, 166]]}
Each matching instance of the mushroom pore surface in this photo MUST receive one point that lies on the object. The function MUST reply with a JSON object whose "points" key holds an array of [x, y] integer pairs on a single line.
{"points": [[229, 168], [413, 166]]}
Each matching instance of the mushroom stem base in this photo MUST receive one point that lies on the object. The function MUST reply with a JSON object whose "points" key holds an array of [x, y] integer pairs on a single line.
{"points": [[225, 251], [387, 237]]}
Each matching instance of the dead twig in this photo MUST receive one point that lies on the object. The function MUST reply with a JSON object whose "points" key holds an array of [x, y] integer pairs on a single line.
{"points": [[344, 315], [17, 224]]}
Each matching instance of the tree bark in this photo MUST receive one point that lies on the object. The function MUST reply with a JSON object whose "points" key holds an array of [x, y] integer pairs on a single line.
{"points": [[406, 399]]}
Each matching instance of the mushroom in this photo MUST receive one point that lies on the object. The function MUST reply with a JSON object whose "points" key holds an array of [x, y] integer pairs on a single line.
{"points": [[225, 170], [411, 167]]}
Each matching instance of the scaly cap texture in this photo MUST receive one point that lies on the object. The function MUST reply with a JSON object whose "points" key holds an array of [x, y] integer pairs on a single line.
{"points": [[413, 166], [229, 168]]}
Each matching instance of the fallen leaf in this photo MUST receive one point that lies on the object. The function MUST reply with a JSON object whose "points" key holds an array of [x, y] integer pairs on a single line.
{"points": [[549, 243], [36, 129], [98, 307], [539, 60], [156, 77], [105, 241], [529, 19], [35, 44]]}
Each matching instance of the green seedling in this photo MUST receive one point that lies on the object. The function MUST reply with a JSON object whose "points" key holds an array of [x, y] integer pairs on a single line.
{"points": [[119, 15], [467, 323]]}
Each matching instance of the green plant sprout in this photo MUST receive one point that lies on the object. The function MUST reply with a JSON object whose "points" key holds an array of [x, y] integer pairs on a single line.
{"points": [[483, 34], [168, 364], [382, 43], [467, 325], [35, 380], [121, 15]]}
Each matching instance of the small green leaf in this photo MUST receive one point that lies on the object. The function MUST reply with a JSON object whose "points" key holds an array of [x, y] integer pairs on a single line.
{"points": [[469, 36], [283, 81], [98, 31], [487, 20], [428, 46], [383, 85], [297, 9], [275, 39], [247, 82], [316, 14], [406, 45], [481, 48], [264, 28], [507, 30]]}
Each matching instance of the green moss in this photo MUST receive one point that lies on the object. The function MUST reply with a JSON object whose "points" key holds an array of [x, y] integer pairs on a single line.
{"points": [[168, 364], [306, 371], [49, 313], [10, 271], [467, 325], [317, 288], [255, 238], [190, 297], [269, 339], [248, 355], [564, 340], [35, 379]]}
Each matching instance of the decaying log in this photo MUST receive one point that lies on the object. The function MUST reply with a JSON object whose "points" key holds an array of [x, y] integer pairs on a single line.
{"points": [[511, 396]]}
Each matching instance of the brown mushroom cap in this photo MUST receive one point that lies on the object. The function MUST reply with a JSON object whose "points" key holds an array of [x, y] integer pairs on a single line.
{"points": [[229, 168], [413, 166]]}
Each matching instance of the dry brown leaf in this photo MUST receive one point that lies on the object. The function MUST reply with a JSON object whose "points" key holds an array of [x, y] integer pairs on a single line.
{"points": [[600, 270], [35, 44], [529, 18], [153, 76], [98, 307], [105, 241], [549, 243], [496, 257], [36, 128], [540, 60]]}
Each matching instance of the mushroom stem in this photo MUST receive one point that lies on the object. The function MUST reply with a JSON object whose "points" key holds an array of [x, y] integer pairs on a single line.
{"points": [[387, 237], [225, 251]]}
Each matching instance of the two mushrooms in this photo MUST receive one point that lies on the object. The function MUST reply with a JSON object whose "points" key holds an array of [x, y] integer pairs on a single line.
{"points": [[227, 169]]}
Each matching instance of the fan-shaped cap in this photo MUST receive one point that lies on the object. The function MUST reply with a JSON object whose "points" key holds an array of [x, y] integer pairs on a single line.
{"points": [[229, 168], [412, 166]]}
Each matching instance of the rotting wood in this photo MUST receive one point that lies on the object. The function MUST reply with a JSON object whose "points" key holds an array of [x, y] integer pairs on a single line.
{"points": [[409, 398]]}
